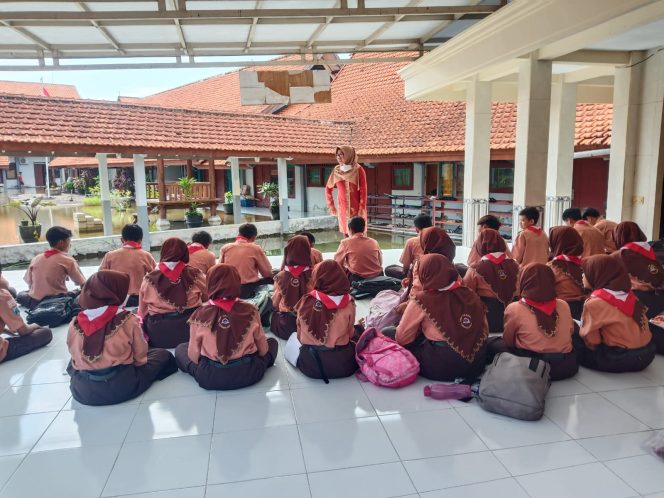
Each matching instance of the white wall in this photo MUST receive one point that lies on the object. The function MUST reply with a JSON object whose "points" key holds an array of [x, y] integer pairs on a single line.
{"points": [[316, 202]]}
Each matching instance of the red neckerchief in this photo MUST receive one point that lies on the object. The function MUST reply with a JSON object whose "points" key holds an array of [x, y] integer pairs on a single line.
{"points": [[626, 306], [296, 270], [582, 222], [640, 248], [223, 303], [572, 259], [546, 307], [195, 247], [50, 252], [330, 303], [496, 260], [130, 244], [535, 230], [89, 327], [174, 274], [240, 238], [454, 285]]}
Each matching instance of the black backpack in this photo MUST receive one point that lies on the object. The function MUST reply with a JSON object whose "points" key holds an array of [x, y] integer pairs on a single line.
{"points": [[369, 287], [54, 311]]}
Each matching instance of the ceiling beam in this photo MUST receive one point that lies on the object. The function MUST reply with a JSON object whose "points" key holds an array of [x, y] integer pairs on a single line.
{"points": [[427, 37], [319, 30], [377, 33], [586, 73], [591, 57], [102, 30], [252, 29], [38, 41]]}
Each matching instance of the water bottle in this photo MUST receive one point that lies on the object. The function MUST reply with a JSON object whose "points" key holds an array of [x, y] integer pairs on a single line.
{"points": [[447, 391]]}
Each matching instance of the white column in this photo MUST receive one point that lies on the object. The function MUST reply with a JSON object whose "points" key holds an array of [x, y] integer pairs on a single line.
{"points": [[282, 174], [105, 192], [532, 135], [237, 189], [560, 164], [141, 198], [477, 157]]}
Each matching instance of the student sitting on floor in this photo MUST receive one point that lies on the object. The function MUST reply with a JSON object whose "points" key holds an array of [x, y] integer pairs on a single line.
{"points": [[48, 272], [248, 259], [23, 338], [228, 348], [493, 277], [169, 295], [444, 324], [593, 240], [614, 335], [110, 361], [532, 244], [606, 227], [290, 284], [358, 254], [316, 255], [130, 259], [539, 325], [325, 325], [4, 284], [199, 255], [566, 250], [412, 249], [434, 240], [486, 221]]}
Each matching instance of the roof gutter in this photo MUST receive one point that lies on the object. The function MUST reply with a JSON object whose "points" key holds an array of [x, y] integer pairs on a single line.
{"points": [[592, 153]]}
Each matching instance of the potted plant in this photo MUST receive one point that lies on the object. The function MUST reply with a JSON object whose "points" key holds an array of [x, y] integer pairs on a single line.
{"points": [[271, 190], [227, 206], [80, 185], [29, 229], [69, 186], [193, 218]]}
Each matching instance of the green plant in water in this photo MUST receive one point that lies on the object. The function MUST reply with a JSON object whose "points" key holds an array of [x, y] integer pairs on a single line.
{"points": [[92, 201], [228, 197], [187, 186], [30, 209], [270, 190]]}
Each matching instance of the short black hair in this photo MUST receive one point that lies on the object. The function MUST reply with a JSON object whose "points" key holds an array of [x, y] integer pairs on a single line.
{"points": [[422, 221], [489, 221], [310, 236], [572, 214], [590, 212], [357, 224], [248, 230], [57, 234], [530, 213], [132, 232], [203, 238]]}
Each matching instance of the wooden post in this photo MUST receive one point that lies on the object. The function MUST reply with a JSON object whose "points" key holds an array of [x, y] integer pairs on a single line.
{"points": [[190, 168], [161, 186], [213, 188]]}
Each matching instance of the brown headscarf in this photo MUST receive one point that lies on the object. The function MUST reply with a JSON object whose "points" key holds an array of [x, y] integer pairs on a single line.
{"points": [[641, 263], [538, 289], [104, 288], [329, 278], [230, 319], [627, 232], [173, 292], [295, 283], [458, 313], [350, 176], [500, 275], [566, 241], [434, 240], [350, 156]]}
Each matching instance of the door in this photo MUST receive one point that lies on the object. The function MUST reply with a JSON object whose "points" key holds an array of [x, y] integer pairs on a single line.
{"points": [[379, 182], [40, 174], [590, 182]]}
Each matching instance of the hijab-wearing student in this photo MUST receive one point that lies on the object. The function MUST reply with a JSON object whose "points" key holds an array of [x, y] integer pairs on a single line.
{"points": [[493, 277], [606, 227], [249, 259], [316, 255], [199, 255], [532, 244], [110, 361], [486, 221], [48, 272], [228, 348], [131, 259], [412, 249], [23, 338], [444, 324], [290, 284], [593, 239], [566, 249], [614, 328], [539, 325], [434, 240], [325, 325], [169, 295], [358, 254]]}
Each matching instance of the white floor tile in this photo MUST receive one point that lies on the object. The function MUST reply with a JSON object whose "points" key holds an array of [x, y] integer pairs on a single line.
{"points": [[297, 379], [589, 415], [542, 457], [618, 446], [374, 481], [644, 473], [174, 387], [655, 370], [72, 404], [287, 487], [253, 410], [76, 472], [72, 429], [255, 454], [457, 470], [588, 481], [604, 381], [19, 434], [275, 379], [34, 399], [332, 403], [647, 404], [173, 417], [345, 443], [430, 434], [402, 400], [8, 464], [502, 488], [566, 387], [48, 370], [197, 492], [159, 465]]}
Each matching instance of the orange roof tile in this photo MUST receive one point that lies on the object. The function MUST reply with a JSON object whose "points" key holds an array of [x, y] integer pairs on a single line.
{"points": [[35, 89], [4, 162]]}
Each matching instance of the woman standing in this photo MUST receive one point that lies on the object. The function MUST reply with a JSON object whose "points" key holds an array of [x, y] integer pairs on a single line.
{"points": [[351, 182]]}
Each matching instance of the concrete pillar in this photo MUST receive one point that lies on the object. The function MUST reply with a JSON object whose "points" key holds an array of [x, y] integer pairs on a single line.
{"points": [[141, 198], [237, 189], [214, 218], [476, 161], [162, 221], [282, 174], [105, 192], [560, 164], [532, 135]]}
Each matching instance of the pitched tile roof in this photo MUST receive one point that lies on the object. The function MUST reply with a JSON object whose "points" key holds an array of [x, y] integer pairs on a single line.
{"points": [[35, 89]]}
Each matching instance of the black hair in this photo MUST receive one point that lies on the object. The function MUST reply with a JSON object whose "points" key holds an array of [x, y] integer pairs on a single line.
{"points": [[57, 234], [530, 213], [203, 238], [590, 212], [248, 230], [132, 232], [572, 214], [489, 221], [310, 236], [422, 221], [357, 224]]}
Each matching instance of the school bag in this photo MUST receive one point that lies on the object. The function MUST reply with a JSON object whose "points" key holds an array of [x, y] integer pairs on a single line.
{"points": [[383, 362], [382, 310], [515, 386], [54, 311], [369, 287]]}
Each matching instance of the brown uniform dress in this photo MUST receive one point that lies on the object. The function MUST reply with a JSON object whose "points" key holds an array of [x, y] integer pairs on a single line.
{"points": [[316, 256], [607, 227], [593, 239], [412, 250], [134, 262], [531, 246], [46, 276], [248, 259], [360, 256], [202, 259], [25, 342]]}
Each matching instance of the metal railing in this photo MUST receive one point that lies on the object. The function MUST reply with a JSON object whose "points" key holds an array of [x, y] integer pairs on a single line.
{"points": [[174, 191]]}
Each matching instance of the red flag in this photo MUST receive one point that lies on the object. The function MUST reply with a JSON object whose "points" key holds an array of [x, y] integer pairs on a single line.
{"points": [[45, 92]]}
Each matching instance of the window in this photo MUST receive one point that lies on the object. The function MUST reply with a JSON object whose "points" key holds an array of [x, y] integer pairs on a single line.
{"points": [[11, 172], [501, 179], [317, 175], [402, 177]]}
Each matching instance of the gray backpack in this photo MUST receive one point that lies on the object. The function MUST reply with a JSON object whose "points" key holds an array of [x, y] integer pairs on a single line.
{"points": [[515, 386]]}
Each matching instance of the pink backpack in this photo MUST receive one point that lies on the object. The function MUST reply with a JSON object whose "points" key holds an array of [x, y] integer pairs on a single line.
{"points": [[383, 309], [383, 362]]}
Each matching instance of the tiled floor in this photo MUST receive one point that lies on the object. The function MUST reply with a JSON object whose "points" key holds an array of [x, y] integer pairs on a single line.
{"points": [[294, 437]]}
